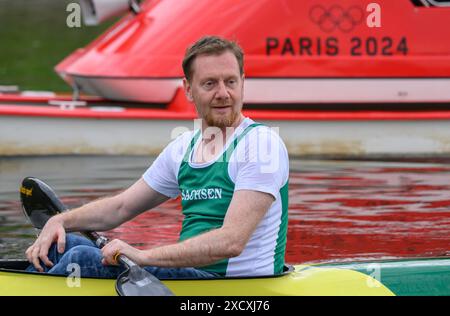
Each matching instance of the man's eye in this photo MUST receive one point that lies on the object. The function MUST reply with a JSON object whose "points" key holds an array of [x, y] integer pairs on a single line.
{"points": [[208, 84]]}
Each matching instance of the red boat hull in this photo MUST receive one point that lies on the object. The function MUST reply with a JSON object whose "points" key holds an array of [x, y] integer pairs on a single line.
{"points": [[283, 40]]}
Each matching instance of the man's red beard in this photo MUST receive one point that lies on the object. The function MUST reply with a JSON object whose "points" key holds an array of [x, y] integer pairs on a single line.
{"points": [[221, 121]]}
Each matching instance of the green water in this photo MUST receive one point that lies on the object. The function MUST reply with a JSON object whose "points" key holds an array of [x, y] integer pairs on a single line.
{"points": [[34, 37]]}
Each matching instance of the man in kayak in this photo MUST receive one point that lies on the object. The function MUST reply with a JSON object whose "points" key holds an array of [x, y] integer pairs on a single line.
{"points": [[231, 174]]}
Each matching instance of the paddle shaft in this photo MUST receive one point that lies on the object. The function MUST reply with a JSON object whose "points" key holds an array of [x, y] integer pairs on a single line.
{"points": [[101, 241]]}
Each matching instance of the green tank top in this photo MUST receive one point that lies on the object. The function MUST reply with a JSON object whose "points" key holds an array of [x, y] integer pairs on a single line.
{"points": [[206, 193]]}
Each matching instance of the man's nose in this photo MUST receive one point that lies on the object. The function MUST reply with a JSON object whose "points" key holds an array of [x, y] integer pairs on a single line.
{"points": [[222, 91]]}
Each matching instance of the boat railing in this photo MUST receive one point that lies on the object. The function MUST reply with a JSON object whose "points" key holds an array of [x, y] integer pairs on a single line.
{"points": [[432, 3], [9, 89], [436, 3], [67, 104]]}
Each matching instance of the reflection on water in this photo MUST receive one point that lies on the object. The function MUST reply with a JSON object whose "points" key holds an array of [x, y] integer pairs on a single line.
{"points": [[357, 210], [338, 210]]}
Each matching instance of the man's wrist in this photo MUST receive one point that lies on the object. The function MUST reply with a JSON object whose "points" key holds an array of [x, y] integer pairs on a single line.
{"points": [[60, 219], [143, 257]]}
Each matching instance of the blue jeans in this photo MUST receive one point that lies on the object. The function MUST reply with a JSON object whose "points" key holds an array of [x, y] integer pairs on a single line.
{"points": [[83, 252]]}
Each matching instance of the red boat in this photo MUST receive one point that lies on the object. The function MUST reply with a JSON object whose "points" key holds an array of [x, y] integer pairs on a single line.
{"points": [[296, 51], [346, 78]]}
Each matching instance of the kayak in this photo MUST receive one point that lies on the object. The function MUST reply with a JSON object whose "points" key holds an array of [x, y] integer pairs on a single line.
{"points": [[418, 276]]}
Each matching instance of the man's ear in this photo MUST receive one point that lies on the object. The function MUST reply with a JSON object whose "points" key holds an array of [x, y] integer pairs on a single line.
{"points": [[188, 90]]}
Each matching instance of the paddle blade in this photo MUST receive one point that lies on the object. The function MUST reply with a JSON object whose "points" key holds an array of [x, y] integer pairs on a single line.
{"points": [[39, 201], [136, 281]]}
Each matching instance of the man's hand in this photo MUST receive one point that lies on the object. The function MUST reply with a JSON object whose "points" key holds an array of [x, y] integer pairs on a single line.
{"points": [[115, 247], [52, 231]]}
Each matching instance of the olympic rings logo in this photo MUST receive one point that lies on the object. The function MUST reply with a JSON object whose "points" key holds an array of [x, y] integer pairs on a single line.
{"points": [[336, 17]]}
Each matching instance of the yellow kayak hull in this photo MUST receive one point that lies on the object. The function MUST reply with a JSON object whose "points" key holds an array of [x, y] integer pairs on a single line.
{"points": [[304, 280]]}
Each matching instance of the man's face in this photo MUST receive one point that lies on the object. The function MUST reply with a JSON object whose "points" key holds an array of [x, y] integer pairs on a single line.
{"points": [[216, 88]]}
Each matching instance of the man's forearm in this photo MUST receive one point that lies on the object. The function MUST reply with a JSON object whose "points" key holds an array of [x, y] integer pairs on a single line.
{"points": [[99, 215], [198, 251], [243, 216]]}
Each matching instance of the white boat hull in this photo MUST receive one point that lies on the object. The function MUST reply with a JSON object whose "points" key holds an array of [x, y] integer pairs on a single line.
{"points": [[34, 135]]}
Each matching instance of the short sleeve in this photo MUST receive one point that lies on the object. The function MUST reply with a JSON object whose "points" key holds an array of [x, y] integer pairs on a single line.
{"points": [[261, 162], [162, 175]]}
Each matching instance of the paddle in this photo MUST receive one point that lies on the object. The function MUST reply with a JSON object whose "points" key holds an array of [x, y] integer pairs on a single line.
{"points": [[39, 203]]}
